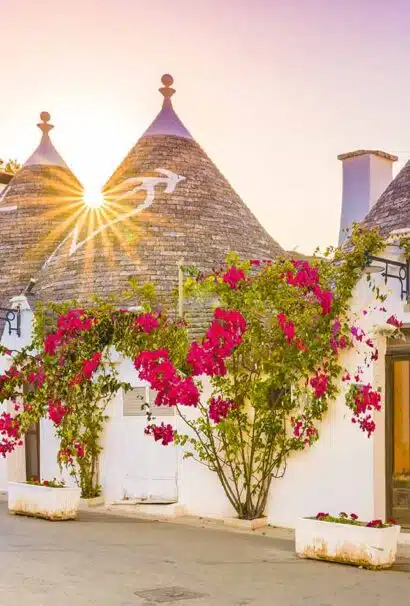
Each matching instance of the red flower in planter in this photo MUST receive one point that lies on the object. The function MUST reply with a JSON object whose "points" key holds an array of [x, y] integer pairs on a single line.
{"points": [[393, 321], [375, 524], [321, 515], [354, 516]]}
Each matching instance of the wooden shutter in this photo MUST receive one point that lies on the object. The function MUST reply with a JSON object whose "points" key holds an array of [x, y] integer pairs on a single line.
{"points": [[134, 400]]}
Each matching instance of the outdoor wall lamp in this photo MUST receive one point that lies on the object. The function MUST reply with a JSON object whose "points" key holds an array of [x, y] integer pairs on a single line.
{"points": [[390, 269], [13, 319]]}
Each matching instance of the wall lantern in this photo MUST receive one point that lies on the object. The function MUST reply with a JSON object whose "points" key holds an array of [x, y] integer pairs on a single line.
{"points": [[390, 269], [13, 319]]}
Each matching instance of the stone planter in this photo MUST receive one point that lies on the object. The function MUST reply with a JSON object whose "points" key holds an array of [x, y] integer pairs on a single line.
{"points": [[373, 548], [246, 524], [43, 501], [93, 502]]}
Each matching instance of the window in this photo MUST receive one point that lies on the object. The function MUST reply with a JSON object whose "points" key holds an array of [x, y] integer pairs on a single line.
{"points": [[134, 400]]}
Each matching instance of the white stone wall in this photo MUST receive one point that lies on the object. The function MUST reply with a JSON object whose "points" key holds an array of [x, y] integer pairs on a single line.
{"points": [[13, 468], [345, 470]]}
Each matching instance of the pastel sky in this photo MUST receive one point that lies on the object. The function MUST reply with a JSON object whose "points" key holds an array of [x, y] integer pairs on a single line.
{"points": [[273, 90]]}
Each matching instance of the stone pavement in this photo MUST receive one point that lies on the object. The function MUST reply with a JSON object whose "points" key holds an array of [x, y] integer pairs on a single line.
{"points": [[106, 560]]}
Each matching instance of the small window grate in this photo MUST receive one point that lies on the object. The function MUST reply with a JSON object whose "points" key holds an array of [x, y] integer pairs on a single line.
{"points": [[134, 400]]}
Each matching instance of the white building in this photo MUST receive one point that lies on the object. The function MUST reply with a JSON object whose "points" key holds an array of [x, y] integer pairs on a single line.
{"points": [[345, 470]]}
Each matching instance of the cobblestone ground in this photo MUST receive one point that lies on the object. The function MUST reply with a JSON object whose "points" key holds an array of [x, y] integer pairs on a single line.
{"points": [[107, 560]]}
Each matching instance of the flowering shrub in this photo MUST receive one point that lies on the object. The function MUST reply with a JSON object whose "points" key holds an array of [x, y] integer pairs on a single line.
{"points": [[73, 378], [271, 355]]}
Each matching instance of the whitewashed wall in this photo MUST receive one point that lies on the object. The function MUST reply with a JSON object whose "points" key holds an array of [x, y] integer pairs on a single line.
{"points": [[344, 471], [13, 468]]}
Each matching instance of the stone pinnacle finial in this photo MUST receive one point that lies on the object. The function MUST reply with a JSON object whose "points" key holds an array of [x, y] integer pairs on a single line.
{"points": [[167, 92], [43, 125]]}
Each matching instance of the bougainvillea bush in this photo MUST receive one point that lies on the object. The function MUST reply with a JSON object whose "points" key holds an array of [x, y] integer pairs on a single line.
{"points": [[271, 356]]}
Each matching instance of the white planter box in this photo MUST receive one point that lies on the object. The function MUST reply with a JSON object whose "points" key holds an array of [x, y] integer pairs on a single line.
{"points": [[246, 524], [43, 501], [346, 543]]}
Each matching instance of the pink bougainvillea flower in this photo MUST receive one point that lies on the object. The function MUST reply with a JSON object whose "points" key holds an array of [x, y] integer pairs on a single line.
{"points": [[156, 368], [163, 433], [204, 361], [393, 321], [362, 401], [36, 378], [233, 276], [297, 429], [346, 377], [147, 323], [75, 321], [223, 336], [375, 355], [220, 408], [10, 430], [57, 412], [80, 451], [65, 455], [301, 345], [319, 384], [90, 365], [325, 299], [354, 516], [287, 327], [336, 327], [358, 333], [305, 275], [51, 343]]}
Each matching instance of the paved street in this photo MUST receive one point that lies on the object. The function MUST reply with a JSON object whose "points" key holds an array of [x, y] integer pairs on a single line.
{"points": [[107, 560]]}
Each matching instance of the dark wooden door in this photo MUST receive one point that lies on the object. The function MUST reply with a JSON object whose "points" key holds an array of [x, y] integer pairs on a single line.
{"points": [[398, 437]]}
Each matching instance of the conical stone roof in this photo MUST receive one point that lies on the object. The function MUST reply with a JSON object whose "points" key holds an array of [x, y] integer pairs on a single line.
{"points": [[392, 209], [36, 210], [166, 202]]}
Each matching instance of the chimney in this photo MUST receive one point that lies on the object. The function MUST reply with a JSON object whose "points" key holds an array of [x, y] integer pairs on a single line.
{"points": [[366, 174]]}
